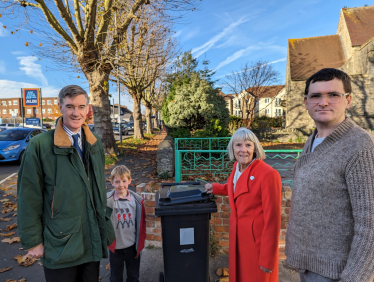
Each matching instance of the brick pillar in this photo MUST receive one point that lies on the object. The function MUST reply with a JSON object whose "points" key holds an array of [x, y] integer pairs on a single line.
{"points": [[153, 223]]}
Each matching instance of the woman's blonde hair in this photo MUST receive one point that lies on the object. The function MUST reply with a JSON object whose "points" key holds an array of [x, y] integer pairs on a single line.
{"points": [[244, 134], [121, 171]]}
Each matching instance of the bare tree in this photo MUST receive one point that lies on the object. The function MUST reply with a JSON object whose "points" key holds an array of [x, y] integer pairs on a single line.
{"points": [[82, 33], [146, 48], [252, 81]]}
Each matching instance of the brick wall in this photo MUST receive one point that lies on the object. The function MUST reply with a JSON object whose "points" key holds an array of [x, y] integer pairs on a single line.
{"points": [[219, 220]]}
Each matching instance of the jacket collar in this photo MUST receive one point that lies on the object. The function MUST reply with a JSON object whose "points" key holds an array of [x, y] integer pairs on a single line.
{"points": [[61, 139], [242, 184]]}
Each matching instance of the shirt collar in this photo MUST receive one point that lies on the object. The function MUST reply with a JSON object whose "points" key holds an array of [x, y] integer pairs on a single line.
{"points": [[71, 133], [128, 197]]}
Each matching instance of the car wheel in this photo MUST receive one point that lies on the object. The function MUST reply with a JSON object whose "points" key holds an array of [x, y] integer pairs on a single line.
{"points": [[21, 156]]}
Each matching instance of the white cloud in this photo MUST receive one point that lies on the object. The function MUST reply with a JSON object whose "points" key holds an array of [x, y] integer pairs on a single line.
{"points": [[248, 50], [18, 53], [12, 89], [3, 31], [269, 63], [191, 34], [211, 42], [2, 67], [31, 69]]}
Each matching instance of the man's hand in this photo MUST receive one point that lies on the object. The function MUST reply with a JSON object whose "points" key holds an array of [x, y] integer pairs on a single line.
{"points": [[37, 252], [209, 188]]}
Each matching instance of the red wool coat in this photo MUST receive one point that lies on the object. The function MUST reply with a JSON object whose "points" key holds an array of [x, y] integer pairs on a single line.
{"points": [[254, 222]]}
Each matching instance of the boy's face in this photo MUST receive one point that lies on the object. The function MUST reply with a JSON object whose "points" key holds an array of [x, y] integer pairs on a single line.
{"points": [[121, 184]]}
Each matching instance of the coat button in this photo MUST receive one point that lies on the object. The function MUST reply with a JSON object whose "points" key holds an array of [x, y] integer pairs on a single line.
{"points": [[60, 232], [252, 177]]}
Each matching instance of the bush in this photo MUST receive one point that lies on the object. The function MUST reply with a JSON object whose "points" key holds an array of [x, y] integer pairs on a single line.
{"points": [[180, 133], [266, 122]]}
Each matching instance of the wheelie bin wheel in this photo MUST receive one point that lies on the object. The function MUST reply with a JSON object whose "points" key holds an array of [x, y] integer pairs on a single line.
{"points": [[162, 277]]}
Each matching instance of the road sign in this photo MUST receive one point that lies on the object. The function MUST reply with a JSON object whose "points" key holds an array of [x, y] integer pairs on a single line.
{"points": [[32, 121], [14, 114], [30, 97]]}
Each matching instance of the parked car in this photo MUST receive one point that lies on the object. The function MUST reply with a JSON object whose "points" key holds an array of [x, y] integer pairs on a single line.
{"points": [[14, 141], [130, 126], [125, 129], [2, 128], [91, 127], [47, 126], [8, 125]]}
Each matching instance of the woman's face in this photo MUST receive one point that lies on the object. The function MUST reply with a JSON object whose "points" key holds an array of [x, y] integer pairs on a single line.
{"points": [[243, 151]]}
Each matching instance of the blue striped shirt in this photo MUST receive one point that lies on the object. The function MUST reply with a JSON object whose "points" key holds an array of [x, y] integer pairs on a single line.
{"points": [[70, 135]]}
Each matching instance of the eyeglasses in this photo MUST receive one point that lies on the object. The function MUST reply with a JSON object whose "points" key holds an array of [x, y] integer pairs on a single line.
{"points": [[332, 98]]}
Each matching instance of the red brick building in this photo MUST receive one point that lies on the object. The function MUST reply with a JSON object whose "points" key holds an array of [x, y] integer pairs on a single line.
{"points": [[49, 108]]}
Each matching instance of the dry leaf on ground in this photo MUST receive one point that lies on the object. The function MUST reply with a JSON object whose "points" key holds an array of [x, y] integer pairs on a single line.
{"points": [[11, 280], [224, 279], [5, 269], [14, 214], [9, 234], [25, 260], [10, 227], [4, 200], [107, 267], [11, 240], [7, 219], [222, 272]]}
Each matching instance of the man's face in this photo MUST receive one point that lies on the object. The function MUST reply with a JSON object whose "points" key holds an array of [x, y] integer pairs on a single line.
{"points": [[324, 112], [74, 112]]}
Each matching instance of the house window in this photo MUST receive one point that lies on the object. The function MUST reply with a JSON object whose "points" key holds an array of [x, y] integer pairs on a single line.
{"points": [[49, 111], [9, 103], [56, 102], [36, 111], [267, 111], [15, 102], [15, 111], [10, 111], [3, 103], [4, 111], [278, 112], [49, 102], [43, 102], [56, 111], [43, 111], [277, 101], [28, 111], [267, 100]]}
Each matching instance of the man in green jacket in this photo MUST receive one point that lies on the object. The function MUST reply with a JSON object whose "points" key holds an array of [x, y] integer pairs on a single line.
{"points": [[62, 213]]}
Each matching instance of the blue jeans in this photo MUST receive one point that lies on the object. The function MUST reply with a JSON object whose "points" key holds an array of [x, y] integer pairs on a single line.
{"points": [[309, 276]]}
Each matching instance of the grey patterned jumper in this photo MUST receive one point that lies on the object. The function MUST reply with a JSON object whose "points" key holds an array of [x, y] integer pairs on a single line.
{"points": [[331, 226]]}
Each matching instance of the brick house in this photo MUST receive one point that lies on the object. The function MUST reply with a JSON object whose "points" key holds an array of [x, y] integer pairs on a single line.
{"points": [[351, 50]]}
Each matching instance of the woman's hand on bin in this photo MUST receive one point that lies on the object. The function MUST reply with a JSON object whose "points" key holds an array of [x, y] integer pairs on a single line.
{"points": [[209, 188]]}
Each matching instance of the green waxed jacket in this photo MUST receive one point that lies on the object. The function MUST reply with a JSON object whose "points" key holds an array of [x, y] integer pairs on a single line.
{"points": [[62, 200]]}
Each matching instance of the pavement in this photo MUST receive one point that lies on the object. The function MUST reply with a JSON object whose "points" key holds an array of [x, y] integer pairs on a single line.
{"points": [[142, 164]]}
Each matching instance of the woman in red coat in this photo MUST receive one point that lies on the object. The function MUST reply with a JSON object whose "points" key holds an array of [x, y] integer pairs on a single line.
{"points": [[254, 190]]}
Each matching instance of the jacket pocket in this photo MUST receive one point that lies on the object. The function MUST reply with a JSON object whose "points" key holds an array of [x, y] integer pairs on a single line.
{"points": [[63, 241]]}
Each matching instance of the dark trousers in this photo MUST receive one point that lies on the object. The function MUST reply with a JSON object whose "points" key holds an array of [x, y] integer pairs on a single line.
{"points": [[86, 272], [117, 261]]}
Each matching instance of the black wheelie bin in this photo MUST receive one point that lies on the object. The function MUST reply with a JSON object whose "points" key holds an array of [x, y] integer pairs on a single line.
{"points": [[185, 210]]}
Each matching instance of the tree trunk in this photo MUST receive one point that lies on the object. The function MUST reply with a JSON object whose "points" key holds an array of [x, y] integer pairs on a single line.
{"points": [[148, 113], [137, 114], [101, 108], [155, 120]]}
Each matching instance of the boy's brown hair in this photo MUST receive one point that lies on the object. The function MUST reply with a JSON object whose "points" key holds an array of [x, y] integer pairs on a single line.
{"points": [[121, 171]]}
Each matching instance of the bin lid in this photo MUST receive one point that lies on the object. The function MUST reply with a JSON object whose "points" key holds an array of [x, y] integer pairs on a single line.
{"points": [[183, 199]]}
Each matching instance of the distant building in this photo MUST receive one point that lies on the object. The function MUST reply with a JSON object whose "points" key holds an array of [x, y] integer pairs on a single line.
{"points": [[351, 50], [126, 114]]}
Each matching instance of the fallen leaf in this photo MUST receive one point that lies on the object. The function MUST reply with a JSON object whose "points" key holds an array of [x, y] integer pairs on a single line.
{"points": [[40, 263], [6, 269], [11, 240], [107, 267], [4, 200], [14, 214], [25, 260], [9, 234], [7, 219], [10, 227], [11, 280]]}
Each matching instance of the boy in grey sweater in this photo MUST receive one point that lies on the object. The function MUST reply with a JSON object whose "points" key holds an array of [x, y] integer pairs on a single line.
{"points": [[330, 234]]}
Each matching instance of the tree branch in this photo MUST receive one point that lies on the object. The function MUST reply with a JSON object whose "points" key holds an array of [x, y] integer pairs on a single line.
{"points": [[104, 24], [78, 18], [65, 14]]}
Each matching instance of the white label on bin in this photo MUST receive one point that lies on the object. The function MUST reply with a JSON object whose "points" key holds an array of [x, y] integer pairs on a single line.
{"points": [[187, 236]]}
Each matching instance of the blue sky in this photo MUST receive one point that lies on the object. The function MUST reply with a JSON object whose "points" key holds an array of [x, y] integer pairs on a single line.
{"points": [[229, 33]]}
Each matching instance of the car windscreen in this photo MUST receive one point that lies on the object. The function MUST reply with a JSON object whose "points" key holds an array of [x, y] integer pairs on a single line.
{"points": [[13, 135]]}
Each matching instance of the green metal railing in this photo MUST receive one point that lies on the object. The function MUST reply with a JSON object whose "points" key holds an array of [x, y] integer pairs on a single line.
{"points": [[200, 156]]}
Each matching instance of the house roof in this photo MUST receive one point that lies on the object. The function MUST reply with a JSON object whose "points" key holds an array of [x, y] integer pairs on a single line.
{"points": [[226, 97], [269, 91], [309, 55], [360, 24]]}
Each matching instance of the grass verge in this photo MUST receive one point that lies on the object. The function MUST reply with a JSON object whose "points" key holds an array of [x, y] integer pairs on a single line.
{"points": [[132, 144]]}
